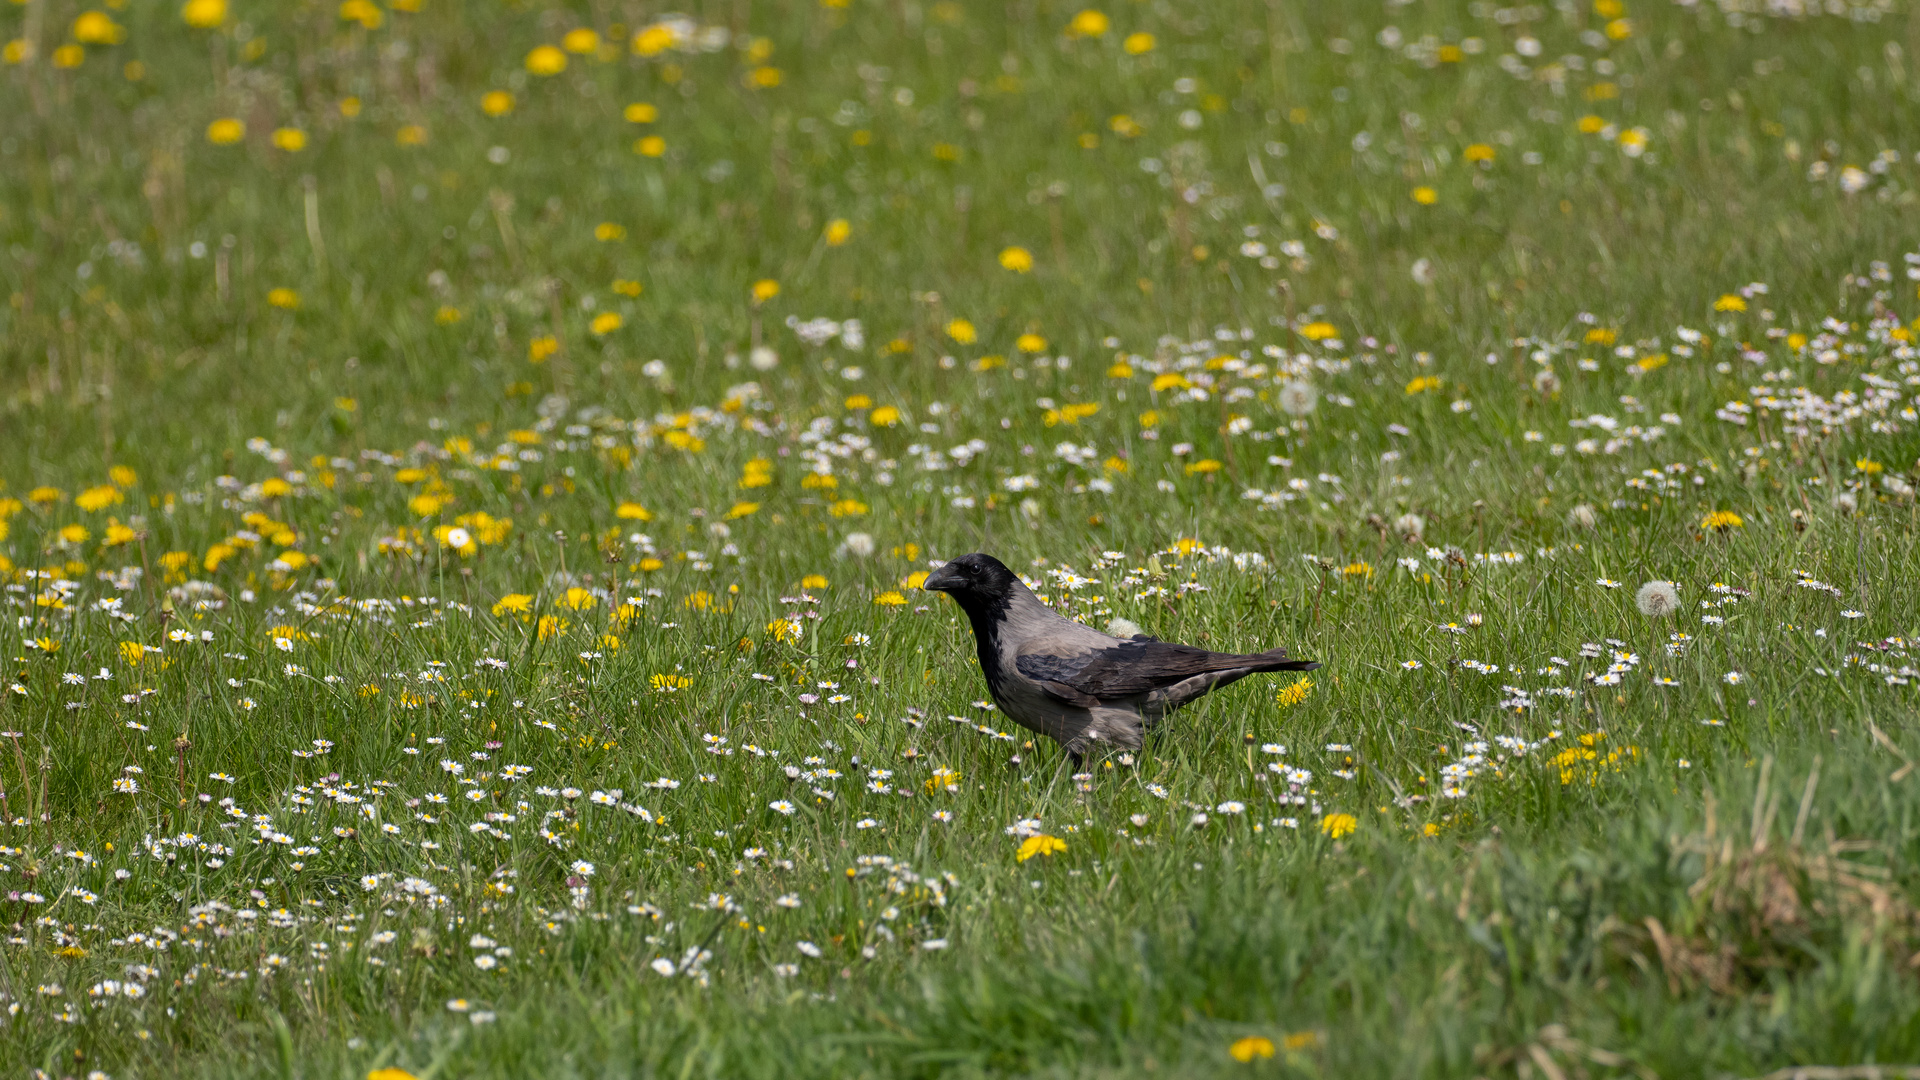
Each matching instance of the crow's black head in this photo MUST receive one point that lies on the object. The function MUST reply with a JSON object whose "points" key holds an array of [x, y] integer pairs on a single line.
{"points": [[980, 583]]}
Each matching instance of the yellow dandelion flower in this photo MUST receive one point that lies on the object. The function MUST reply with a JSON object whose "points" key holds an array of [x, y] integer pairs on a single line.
{"points": [[1253, 1046], [890, 598], [606, 323], [1040, 845], [292, 140], [1730, 302], [1478, 152], [1294, 693], [513, 603], [884, 416], [640, 112], [1031, 343], [650, 146], [581, 41], [962, 331], [284, 298], [496, 103], [97, 28], [1425, 196], [608, 231], [1017, 259], [1319, 331], [1089, 23], [69, 56], [764, 290], [545, 60], [226, 131], [204, 14], [653, 40], [97, 498], [1339, 825], [633, 511], [540, 348], [1722, 520], [1138, 44], [838, 230], [364, 12]]}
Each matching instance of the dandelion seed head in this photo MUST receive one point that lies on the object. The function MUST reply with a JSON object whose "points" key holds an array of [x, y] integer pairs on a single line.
{"points": [[1657, 599]]}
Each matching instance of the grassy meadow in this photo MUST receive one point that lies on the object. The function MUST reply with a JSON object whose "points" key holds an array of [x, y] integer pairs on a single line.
{"points": [[466, 470]]}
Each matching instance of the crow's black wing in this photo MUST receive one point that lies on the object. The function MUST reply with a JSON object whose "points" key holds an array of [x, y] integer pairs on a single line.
{"points": [[1136, 667]]}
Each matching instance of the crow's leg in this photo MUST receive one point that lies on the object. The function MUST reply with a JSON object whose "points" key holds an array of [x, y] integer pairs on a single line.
{"points": [[1075, 754]]}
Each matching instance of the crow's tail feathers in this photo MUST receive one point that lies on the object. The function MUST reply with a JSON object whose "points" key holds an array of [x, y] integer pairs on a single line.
{"points": [[1278, 660]]}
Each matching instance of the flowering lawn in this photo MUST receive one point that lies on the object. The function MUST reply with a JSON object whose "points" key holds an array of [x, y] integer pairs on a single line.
{"points": [[469, 469]]}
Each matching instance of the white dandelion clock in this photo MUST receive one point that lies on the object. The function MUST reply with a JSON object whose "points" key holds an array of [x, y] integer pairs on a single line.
{"points": [[1657, 599], [1298, 397]]}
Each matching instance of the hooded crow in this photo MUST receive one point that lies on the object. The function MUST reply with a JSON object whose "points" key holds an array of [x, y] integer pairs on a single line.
{"points": [[1073, 683]]}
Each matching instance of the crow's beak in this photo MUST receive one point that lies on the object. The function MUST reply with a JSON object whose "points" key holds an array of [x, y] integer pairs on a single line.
{"points": [[943, 580]]}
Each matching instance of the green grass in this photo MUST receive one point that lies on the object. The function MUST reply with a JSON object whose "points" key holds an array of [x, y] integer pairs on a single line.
{"points": [[1507, 280]]}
